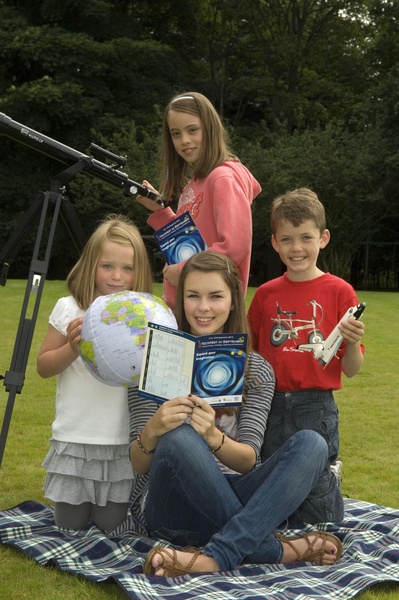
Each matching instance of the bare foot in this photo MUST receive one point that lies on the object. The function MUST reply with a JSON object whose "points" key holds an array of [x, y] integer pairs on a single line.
{"points": [[319, 547], [202, 563]]}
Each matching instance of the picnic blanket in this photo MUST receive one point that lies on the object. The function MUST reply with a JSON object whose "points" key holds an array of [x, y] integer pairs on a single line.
{"points": [[369, 533]]}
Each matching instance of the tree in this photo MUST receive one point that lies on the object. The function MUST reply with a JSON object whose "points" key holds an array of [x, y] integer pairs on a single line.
{"points": [[307, 89], [76, 90], [334, 164]]}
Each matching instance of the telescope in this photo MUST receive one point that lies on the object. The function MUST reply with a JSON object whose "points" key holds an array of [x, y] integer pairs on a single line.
{"points": [[93, 167]]}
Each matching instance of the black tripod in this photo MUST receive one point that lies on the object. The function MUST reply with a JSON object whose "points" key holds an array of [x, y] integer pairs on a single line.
{"points": [[14, 378]]}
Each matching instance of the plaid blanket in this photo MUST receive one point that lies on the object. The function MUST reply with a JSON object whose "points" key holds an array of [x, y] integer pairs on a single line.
{"points": [[369, 533]]}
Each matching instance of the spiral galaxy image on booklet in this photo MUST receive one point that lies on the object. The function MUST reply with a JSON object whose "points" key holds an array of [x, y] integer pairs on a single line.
{"points": [[177, 364], [179, 239]]}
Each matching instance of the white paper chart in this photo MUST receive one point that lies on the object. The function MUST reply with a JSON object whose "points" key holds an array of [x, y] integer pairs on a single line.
{"points": [[168, 368]]}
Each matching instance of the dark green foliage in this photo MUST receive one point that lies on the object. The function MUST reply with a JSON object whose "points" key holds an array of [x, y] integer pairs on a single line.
{"points": [[308, 90]]}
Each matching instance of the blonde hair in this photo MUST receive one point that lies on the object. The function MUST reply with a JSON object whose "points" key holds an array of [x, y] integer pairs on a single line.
{"points": [[215, 150], [81, 281], [296, 207]]}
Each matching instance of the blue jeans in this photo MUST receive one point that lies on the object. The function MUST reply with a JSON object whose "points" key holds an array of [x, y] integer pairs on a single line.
{"points": [[191, 502], [308, 409]]}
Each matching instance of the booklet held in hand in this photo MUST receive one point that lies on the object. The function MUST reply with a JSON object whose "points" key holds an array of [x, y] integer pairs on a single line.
{"points": [[179, 239], [177, 364]]}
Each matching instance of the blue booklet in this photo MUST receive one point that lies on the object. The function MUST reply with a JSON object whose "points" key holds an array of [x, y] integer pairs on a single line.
{"points": [[179, 239], [177, 364]]}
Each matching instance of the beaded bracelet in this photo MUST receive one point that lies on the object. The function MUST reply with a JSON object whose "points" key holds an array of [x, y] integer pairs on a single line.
{"points": [[140, 445], [224, 441]]}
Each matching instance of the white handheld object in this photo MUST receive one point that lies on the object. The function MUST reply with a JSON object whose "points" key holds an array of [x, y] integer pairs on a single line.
{"points": [[326, 349]]}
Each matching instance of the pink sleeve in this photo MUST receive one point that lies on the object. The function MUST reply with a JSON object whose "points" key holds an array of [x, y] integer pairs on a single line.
{"points": [[233, 219]]}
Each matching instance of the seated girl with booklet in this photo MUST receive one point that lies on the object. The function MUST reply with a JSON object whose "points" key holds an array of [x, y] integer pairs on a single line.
{"points": [[199, 479]]}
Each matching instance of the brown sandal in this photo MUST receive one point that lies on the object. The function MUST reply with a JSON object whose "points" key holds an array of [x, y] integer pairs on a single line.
{"points": [[312, 555], [171, 566]]}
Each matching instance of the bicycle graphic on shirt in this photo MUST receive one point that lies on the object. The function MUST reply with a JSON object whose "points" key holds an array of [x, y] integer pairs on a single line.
{"points": [[286, 327]]}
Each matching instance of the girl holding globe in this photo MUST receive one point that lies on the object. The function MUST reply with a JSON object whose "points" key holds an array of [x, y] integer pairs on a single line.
{"points": [[199, 479], [89, 475]]}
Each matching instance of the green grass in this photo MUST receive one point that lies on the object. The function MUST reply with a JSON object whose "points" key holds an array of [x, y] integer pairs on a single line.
{"points": [[369, 416]]}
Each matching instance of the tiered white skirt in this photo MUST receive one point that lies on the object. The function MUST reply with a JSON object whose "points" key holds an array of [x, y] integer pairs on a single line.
{"points": [[78, 473]]}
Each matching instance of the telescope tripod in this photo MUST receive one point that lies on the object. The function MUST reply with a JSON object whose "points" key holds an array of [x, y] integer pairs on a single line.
{"points": [[14, 378]]}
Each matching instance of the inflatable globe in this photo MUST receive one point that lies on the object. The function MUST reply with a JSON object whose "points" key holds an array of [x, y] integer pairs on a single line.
{"points": [[113, 335]]}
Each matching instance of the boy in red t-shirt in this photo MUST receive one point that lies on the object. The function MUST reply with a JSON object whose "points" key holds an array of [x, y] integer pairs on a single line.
{"points": [[300, 307]]}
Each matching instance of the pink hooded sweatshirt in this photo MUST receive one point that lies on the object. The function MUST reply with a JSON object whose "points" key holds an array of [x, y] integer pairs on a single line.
{"points": [[220, 205]]}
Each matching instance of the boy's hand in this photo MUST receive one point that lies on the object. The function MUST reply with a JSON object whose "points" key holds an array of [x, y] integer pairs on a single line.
{"points": [[352, 330]]}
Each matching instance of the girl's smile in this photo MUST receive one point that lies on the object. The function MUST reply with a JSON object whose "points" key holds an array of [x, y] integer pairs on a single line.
{"points": [[115, 270], [299, 248], [207, 302], [186, 133]]}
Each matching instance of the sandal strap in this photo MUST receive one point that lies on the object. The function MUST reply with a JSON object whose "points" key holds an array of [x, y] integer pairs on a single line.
{"points": [[310, 554], [170, 564], [288, 541], [192, 561], [175, 568]]}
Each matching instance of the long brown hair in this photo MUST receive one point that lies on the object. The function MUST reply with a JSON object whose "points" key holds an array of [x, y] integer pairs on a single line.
{"points": [[81, 281], [206, 262], [215, 148]]}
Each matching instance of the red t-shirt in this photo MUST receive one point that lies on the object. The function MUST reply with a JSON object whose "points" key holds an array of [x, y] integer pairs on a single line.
{"points": [[318, 304]]}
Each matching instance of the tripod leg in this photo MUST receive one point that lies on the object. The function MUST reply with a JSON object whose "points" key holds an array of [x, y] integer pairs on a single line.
{"points": [[14, 378], [72, 224], [18, 238]]}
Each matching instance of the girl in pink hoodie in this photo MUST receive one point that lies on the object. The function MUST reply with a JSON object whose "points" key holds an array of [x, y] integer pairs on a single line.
{"points": [[203, 175]]}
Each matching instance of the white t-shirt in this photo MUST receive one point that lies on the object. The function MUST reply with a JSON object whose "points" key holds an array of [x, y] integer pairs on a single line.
{"points": [[87, 411]]}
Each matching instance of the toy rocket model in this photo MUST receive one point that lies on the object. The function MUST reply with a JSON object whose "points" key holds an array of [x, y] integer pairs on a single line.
{"points": [[326, 349]]}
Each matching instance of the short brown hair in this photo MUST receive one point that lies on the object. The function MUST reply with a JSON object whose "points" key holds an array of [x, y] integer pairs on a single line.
{"points": [[296, 207]]}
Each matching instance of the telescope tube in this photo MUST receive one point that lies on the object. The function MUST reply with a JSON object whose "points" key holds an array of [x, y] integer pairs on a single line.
{"points": [[46, 145]]}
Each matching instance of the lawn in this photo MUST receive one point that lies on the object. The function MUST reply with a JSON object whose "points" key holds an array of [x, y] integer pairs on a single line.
{"points": [[369, 417]]}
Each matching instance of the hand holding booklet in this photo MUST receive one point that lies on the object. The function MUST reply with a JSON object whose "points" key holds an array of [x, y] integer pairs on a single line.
{"points": [[177, 364], [179, 239]]}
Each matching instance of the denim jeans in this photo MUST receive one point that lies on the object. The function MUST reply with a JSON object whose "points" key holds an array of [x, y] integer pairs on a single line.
{"points": [[191, 502], [308, 409]]}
